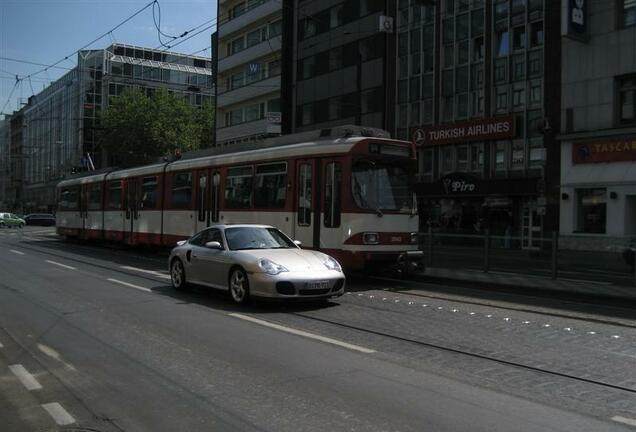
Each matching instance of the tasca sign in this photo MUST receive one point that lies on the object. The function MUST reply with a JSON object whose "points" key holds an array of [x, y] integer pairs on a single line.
{"points": [[577, 18], [619, 150], [475, 130]]}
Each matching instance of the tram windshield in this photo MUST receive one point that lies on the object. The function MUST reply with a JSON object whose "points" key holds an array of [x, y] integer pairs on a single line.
{"points": [[379, 185]]}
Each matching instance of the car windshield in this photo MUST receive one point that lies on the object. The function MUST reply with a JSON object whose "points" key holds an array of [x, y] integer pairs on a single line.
{"points": [[381, 186], [244, 238]]}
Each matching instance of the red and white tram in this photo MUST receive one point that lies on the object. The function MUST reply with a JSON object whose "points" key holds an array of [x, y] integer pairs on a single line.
{"points": [[350, 197]]}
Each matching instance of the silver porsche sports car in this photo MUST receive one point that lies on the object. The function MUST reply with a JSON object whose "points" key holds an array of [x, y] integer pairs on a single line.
{"points": [[254, 260]]}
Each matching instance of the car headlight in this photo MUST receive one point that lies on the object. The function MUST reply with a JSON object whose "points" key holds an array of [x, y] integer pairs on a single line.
{"points": [[271, 267], [332, 264]]}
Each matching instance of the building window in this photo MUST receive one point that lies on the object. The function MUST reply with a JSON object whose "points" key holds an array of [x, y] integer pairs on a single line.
{"points": [[309, 27], [462, 158], [518, 154], [536, 34], [627, 10], [446, 159], [592, 210], [477, 157], [462, 53], [519, 37], [502, 40], [238, 45], [478, 49], [462, 106], [335, 16], [275, 28], [627, 99], [519, 96], [477, 22], [536, 92], [518, 67], [501, 98], [427, 162], [500, 148], [535, 63]]}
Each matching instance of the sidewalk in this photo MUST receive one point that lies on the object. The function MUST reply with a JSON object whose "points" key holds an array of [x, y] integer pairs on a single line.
{"points": [[543, 283]]}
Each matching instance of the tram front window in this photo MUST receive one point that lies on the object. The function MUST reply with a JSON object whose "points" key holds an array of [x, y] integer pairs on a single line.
{"points": [[381, 186]]}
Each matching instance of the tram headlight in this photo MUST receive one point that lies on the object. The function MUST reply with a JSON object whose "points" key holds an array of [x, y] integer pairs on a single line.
{"points": [[332, 264], [372, 238], [271, 267]]}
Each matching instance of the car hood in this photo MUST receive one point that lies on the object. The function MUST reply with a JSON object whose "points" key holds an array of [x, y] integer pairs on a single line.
{"points": [[292, 259]]}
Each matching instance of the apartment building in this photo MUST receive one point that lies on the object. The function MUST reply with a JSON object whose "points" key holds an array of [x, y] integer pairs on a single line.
{"points": [[248, 69], [598, 134], [478, 91]]}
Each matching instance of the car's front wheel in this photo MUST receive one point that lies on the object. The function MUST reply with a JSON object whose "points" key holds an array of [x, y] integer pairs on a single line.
{"points": [[239, 286], [177, 275]]}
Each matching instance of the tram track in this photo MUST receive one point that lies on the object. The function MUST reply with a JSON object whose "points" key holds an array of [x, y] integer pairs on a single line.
{"points": [[467, 353]]}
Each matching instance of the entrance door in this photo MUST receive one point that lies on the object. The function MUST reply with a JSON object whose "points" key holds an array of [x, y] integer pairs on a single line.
{"points": [[304, 203], [132, 209], [531, 228]]}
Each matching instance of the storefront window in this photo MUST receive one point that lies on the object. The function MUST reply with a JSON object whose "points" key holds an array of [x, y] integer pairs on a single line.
{"points": [[592, 210]]}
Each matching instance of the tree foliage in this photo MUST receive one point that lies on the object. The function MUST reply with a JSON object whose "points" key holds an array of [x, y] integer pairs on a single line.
{"points": [[138, 129]]}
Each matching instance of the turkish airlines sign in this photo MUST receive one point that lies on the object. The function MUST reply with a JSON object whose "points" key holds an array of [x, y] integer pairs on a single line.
{"points": [[474, 130]]}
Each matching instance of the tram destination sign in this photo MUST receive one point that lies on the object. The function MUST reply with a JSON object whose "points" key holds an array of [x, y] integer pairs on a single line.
{"points": [[474, 130]]}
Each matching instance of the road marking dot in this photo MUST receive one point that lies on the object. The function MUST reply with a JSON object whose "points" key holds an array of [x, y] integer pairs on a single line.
{"points": [[615, 336], [371, 296], [488, 316], [397, 301], [439, 308], [506, 319], [424, 305], [526, 322], [411, 303], [383, 298], [472, 313], [546, 325], [568, 329], [454, 310], [591, 332]]}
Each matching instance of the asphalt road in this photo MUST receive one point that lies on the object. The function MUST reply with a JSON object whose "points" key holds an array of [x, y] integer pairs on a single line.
{"points": [[95, 338]]}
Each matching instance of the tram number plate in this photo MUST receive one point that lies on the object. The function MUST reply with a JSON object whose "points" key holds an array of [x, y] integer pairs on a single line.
{"points": [[317, 285]]}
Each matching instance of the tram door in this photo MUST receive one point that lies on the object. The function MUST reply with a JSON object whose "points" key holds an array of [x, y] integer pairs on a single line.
{"points": [[306, 220], [132, 209], [83, 211], [207, 199], [202, 201]]}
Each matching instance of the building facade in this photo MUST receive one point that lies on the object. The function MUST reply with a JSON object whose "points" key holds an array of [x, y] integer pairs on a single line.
{"points": [[247, 58], [478, 91], [60, 125], [338, 66], [5, 161], [598, 134]]}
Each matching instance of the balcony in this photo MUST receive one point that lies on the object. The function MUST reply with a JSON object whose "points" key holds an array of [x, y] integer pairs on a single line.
{"points": [[251, 53], [253, 15], [244, 130], [249, 91]]}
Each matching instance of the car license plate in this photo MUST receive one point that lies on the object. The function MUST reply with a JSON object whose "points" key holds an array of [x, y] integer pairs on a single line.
{"points": [[317, 285]]}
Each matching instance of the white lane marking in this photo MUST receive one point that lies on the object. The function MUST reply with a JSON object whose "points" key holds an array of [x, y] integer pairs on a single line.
{"points": [[61, 265], [303, 333], [624, 420], [54, 355], [152, 272], [59, 414], [129, 285], [17, 252], [25, 377], [526, 322]]}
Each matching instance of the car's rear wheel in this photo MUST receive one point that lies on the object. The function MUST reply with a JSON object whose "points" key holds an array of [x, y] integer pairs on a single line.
{"points": [[239, 286], [177, 275]]}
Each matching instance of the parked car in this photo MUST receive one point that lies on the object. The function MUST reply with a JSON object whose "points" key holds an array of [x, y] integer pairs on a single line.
{"points": [[10, 220], [254, 260], [40, 219]]}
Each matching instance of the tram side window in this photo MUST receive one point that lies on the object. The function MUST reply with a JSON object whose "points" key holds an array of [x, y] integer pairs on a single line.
{"points": [[149, 193], [304, 195], [95, 197], [333, 187], [114, 195], [182, 190], [270, 185], [68, 199], [238, 188]]}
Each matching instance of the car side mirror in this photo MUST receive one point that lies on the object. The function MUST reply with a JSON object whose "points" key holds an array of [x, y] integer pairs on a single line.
{"points": [[213, 245], [298, 243]]}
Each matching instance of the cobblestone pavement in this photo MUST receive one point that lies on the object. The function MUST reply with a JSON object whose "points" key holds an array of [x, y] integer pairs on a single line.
{"points": [[585, 366]]}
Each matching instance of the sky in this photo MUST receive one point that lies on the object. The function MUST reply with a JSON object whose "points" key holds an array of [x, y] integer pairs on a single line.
{"points": [[45, 31]]}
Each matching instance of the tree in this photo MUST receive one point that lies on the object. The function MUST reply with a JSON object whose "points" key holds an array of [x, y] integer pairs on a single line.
{"points": [[137, 129]]}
